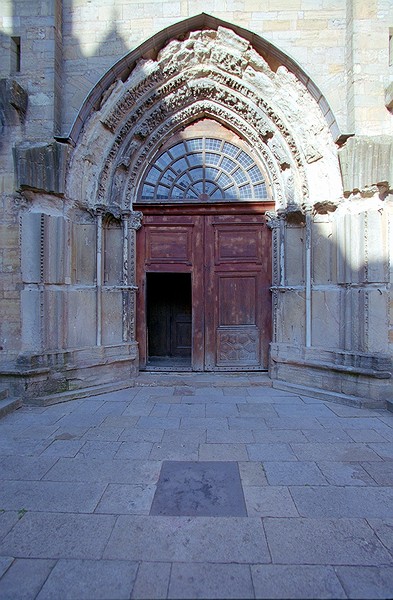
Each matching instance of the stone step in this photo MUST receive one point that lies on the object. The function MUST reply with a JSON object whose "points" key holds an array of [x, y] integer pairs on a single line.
{"points": [[389, 405], [304, 390], [152, 378], [8, 405], [4, 393]]}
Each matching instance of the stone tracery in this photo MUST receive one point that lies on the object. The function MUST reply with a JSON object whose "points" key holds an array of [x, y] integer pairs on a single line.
{"points": [[214, 74]]}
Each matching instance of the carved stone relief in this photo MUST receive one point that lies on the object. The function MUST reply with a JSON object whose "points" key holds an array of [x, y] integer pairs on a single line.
{"points": [[216, 72]]}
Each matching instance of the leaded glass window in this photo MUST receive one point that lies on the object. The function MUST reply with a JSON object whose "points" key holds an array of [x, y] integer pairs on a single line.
{"points": [[201, 170]]}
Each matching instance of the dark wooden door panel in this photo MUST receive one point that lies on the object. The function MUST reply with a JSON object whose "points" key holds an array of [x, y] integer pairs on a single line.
{"points": [[171, 245], [237, 299], [237, 294], [168, 244], [181, 335], [234, 245], [228, 257]]}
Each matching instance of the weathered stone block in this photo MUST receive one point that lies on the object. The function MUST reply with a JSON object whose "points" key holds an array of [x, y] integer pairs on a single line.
{"points": [[81, 318], [112, 325], [366, 161], [325, 310], [31, 247], [31, 319], [41, 167], [84, 253]]}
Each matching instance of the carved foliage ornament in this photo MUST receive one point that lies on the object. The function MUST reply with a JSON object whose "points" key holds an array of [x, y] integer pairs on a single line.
{"points": [[143, 122], [214, 67]]}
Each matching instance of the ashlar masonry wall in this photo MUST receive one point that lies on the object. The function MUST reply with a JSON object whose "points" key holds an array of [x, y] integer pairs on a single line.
{"points": [[332, 293]]}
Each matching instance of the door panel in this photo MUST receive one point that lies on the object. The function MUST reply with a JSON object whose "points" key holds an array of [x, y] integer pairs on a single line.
{"points": [[177, 250], [234, 246], [169, 244], [229, 258], [238, 295], [238, 347], [237, 301]]}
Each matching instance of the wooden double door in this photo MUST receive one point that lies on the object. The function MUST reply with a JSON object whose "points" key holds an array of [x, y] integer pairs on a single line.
{"points": [[204, 294]]}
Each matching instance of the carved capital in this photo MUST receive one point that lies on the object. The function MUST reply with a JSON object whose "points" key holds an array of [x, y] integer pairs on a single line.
{"points": [[99, 210], [135, 219], [325, 207], [294, 215], [273, 221]]}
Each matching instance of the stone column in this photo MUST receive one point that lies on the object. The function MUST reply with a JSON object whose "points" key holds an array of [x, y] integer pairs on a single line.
{"points": [[308, 277], [132, 223], [275, 223], [99, 214]]}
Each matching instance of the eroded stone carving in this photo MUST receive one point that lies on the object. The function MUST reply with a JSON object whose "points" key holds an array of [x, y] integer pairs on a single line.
{"points": [[218, 72]]}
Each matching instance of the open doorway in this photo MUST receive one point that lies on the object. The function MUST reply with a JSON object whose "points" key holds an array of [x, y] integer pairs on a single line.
{"points": [[169, 319]]}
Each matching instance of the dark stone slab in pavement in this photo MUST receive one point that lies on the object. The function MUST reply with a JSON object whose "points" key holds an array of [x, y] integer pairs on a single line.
{"points": [[207, 489]]}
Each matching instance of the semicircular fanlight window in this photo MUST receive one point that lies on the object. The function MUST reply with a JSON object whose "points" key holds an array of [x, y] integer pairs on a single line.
{"points": [[203, 170]]}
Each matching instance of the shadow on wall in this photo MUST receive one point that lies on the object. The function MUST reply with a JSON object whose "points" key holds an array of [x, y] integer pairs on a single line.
{"points": [[86, 62], [346, 312]]}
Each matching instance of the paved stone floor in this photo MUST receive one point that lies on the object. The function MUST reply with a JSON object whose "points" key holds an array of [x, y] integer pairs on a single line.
{"points": [[78, 481]]}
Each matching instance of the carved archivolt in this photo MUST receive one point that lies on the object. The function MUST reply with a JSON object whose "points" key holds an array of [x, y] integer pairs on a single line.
{"points": [[214, 74]]}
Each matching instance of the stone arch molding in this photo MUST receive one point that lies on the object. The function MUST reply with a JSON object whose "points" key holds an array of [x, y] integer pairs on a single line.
{"points": [[217, 74]]}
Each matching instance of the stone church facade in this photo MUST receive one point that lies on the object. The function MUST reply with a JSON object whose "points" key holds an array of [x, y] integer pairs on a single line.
{"points": [[203, 190]]}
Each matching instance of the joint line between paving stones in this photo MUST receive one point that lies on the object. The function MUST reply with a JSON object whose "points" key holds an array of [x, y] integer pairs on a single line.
{"points": [[288, 487], [13, 559], [267, 542], [101, 497], [47, 577], [341, 582], [111, 534], [169, 580], [377, 536], [252, 580], [135, 579]]}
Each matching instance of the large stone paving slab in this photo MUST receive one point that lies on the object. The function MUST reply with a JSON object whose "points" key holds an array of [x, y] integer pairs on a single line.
{"points": [[58, 535], [175, 451], [293, 473], [101, 470], [63, 448], [199, 489], [381, 472], [25, 578], [347, 473], [223, 452], [126, 499], [271, 452], [348, 502], [50, 496], [210, 581], [367, 582], [324, 542], [384, 530], [152, 581], [188, 539], [340, 452], [300, 581], [90, 580], [269, 501], [25, 467]]}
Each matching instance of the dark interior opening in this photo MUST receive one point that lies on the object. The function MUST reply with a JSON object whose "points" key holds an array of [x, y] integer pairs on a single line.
{"points": [[169, 318]]}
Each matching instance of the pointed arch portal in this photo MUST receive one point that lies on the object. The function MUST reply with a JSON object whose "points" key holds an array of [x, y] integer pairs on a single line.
{"points": [[190, 141]]}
